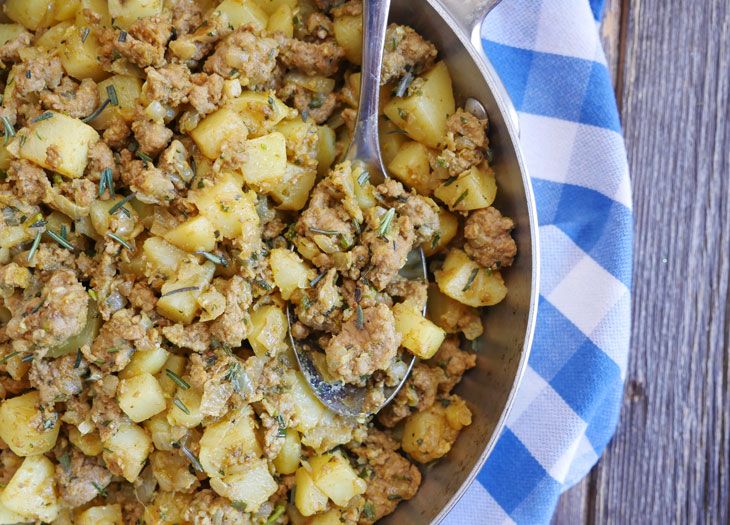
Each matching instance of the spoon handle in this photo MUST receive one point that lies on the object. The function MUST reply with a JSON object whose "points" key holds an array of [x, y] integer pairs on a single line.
{"points": [[365, 145]]}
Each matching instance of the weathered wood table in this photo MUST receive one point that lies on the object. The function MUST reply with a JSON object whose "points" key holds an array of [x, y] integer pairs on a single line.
{"points": [[670, 459]]}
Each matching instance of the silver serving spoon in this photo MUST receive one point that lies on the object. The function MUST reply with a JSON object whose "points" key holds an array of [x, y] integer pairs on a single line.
{"points": [[347, 399]]}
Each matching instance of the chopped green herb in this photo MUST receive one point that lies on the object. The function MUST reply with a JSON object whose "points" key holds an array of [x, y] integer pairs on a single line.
{"points": [[239, 505], [470, 281], [316, 280], [368, 510], [323, 232], [60, 240], [360, 321], [179, 404], [101, 490], [144, 157], [62, 232], [42, 116], [120, 205], [85, 34], [216, 259], [65, 462], [180, 290], [122, 38], [394, 497], [106, 182], [403, 85], [8, 357], [111, 92], [385, 222], [445, 402], [120, 241], [192, 458], [460, 198], [364, 178], [450, 180], [8, 129], [96, 112], [435, 240], [92, 294], [263, 284], [316, 102], [177, 379], [34, 246], [282, 426], [77, 362], [278, 512], [27, 358]]}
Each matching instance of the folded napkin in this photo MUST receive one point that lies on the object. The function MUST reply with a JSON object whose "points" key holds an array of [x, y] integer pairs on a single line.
{"points": [[550, 58]]}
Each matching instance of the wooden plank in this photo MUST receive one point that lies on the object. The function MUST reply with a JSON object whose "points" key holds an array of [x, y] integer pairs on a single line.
{"points": [[669, 461]]}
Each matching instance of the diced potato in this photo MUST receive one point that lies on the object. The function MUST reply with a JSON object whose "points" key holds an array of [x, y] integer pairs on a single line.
{"points": [[7, 516], [127, 449], [423, 115], [176, 364], [53, 37], [90, 444], [348, 34], [101, 515], [287, 461], [411, 166], [5, 158], [448, 227], [164, 435], [429, 435], [281, 21], [265, 165], [473, 190], [33, 14], [268, 330], [422, 337], [190, 416], [290, 272], [298, 134], [99, 7], [326, 149], [66, 9], [308, 498], [230, 210], [147, 362], [226, 442], [168, 508], [162, 257], [251, 485], [140, 396], [391, 139], [261, 111], [335, 477], [464, 280], [363, 188], [331, 517], [453, 316], [215, 129], [308, 409], [9, 32], [30, 492], [79, 55], [69, 136], [196, 233], [271, 6], [126, 12], [126, 224], [128, 89], [293, 192], [183, 306], [17, 428], [243, 12]]}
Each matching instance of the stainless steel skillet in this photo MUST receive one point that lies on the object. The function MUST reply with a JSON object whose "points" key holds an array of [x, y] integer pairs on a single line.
{"points": [[453, 25]]}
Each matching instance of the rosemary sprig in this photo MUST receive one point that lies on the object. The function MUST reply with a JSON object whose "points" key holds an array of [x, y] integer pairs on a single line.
{"points": [[85, 34], [77, 362], [179, 404], [275, 515], [120, 205], [216, 259], [192, 458], [460, 198], [8, 357], [120, 241], [385, 222], [404, 84], [60, 240], [34, 247], [323, 232], [364, 178], [8, 129], [101, 490], [316, 280], [144, 157], [42, 116], [360, 321], [111, 92], [106, 182], [470, 281], [122, 36], [263, 284], [177, 379], [96, 112], [435, 239], [180, 290], [450, 180]]}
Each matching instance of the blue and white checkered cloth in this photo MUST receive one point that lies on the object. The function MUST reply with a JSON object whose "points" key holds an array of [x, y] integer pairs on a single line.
{"points": [[550, 58]]}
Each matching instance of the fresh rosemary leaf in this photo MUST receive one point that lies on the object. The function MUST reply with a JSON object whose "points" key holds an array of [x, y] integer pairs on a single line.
{"points": [[364, 178], [192, 458], [324, 232], [8, 129], [213, 258], [34, 247], [275, 515], [403, 85], [316, 280], [385, 222], [111, 92], [60, 240], [360, 321], [120, 241], [179, 404], [144, 157], [460, 198], [96, 112], [179, 290], [8, 357], [101, 490], [42, 116], [85, 34], [470, 281], [119, 205], [177, 379]]}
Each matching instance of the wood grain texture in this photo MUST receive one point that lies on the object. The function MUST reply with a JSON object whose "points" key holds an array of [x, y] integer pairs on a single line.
{"points": [[670, 459]]}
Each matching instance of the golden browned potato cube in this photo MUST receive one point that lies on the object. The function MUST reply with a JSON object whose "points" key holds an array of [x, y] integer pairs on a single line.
{"points": [[293, 192], [90, 444], [326, 149], [411, 166], [215, 129], [52, 38], [252, 484], [472, 190], [126, 12], [33, 14], [176, 364], [140, 396], [168, 508], [308, 498], [464, 280], [423, 114], [229, 209], [101, 515], [261, 111], [79, 55], [9, 32], [149, 362], [223, 443], [185, 409], [265, 165], [271, 6], [290, 272], [287, 461], [128, 89], [179, 299], [429, 435], [453, 316], [335, 477], [348, 34], [127, 449], [30, 492], [17, 427], [243, 12], [422, 337], [66, 9], [281, 21], [162, 257], [268, 330], [69, 137], [196, 233], [448, 228]]}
